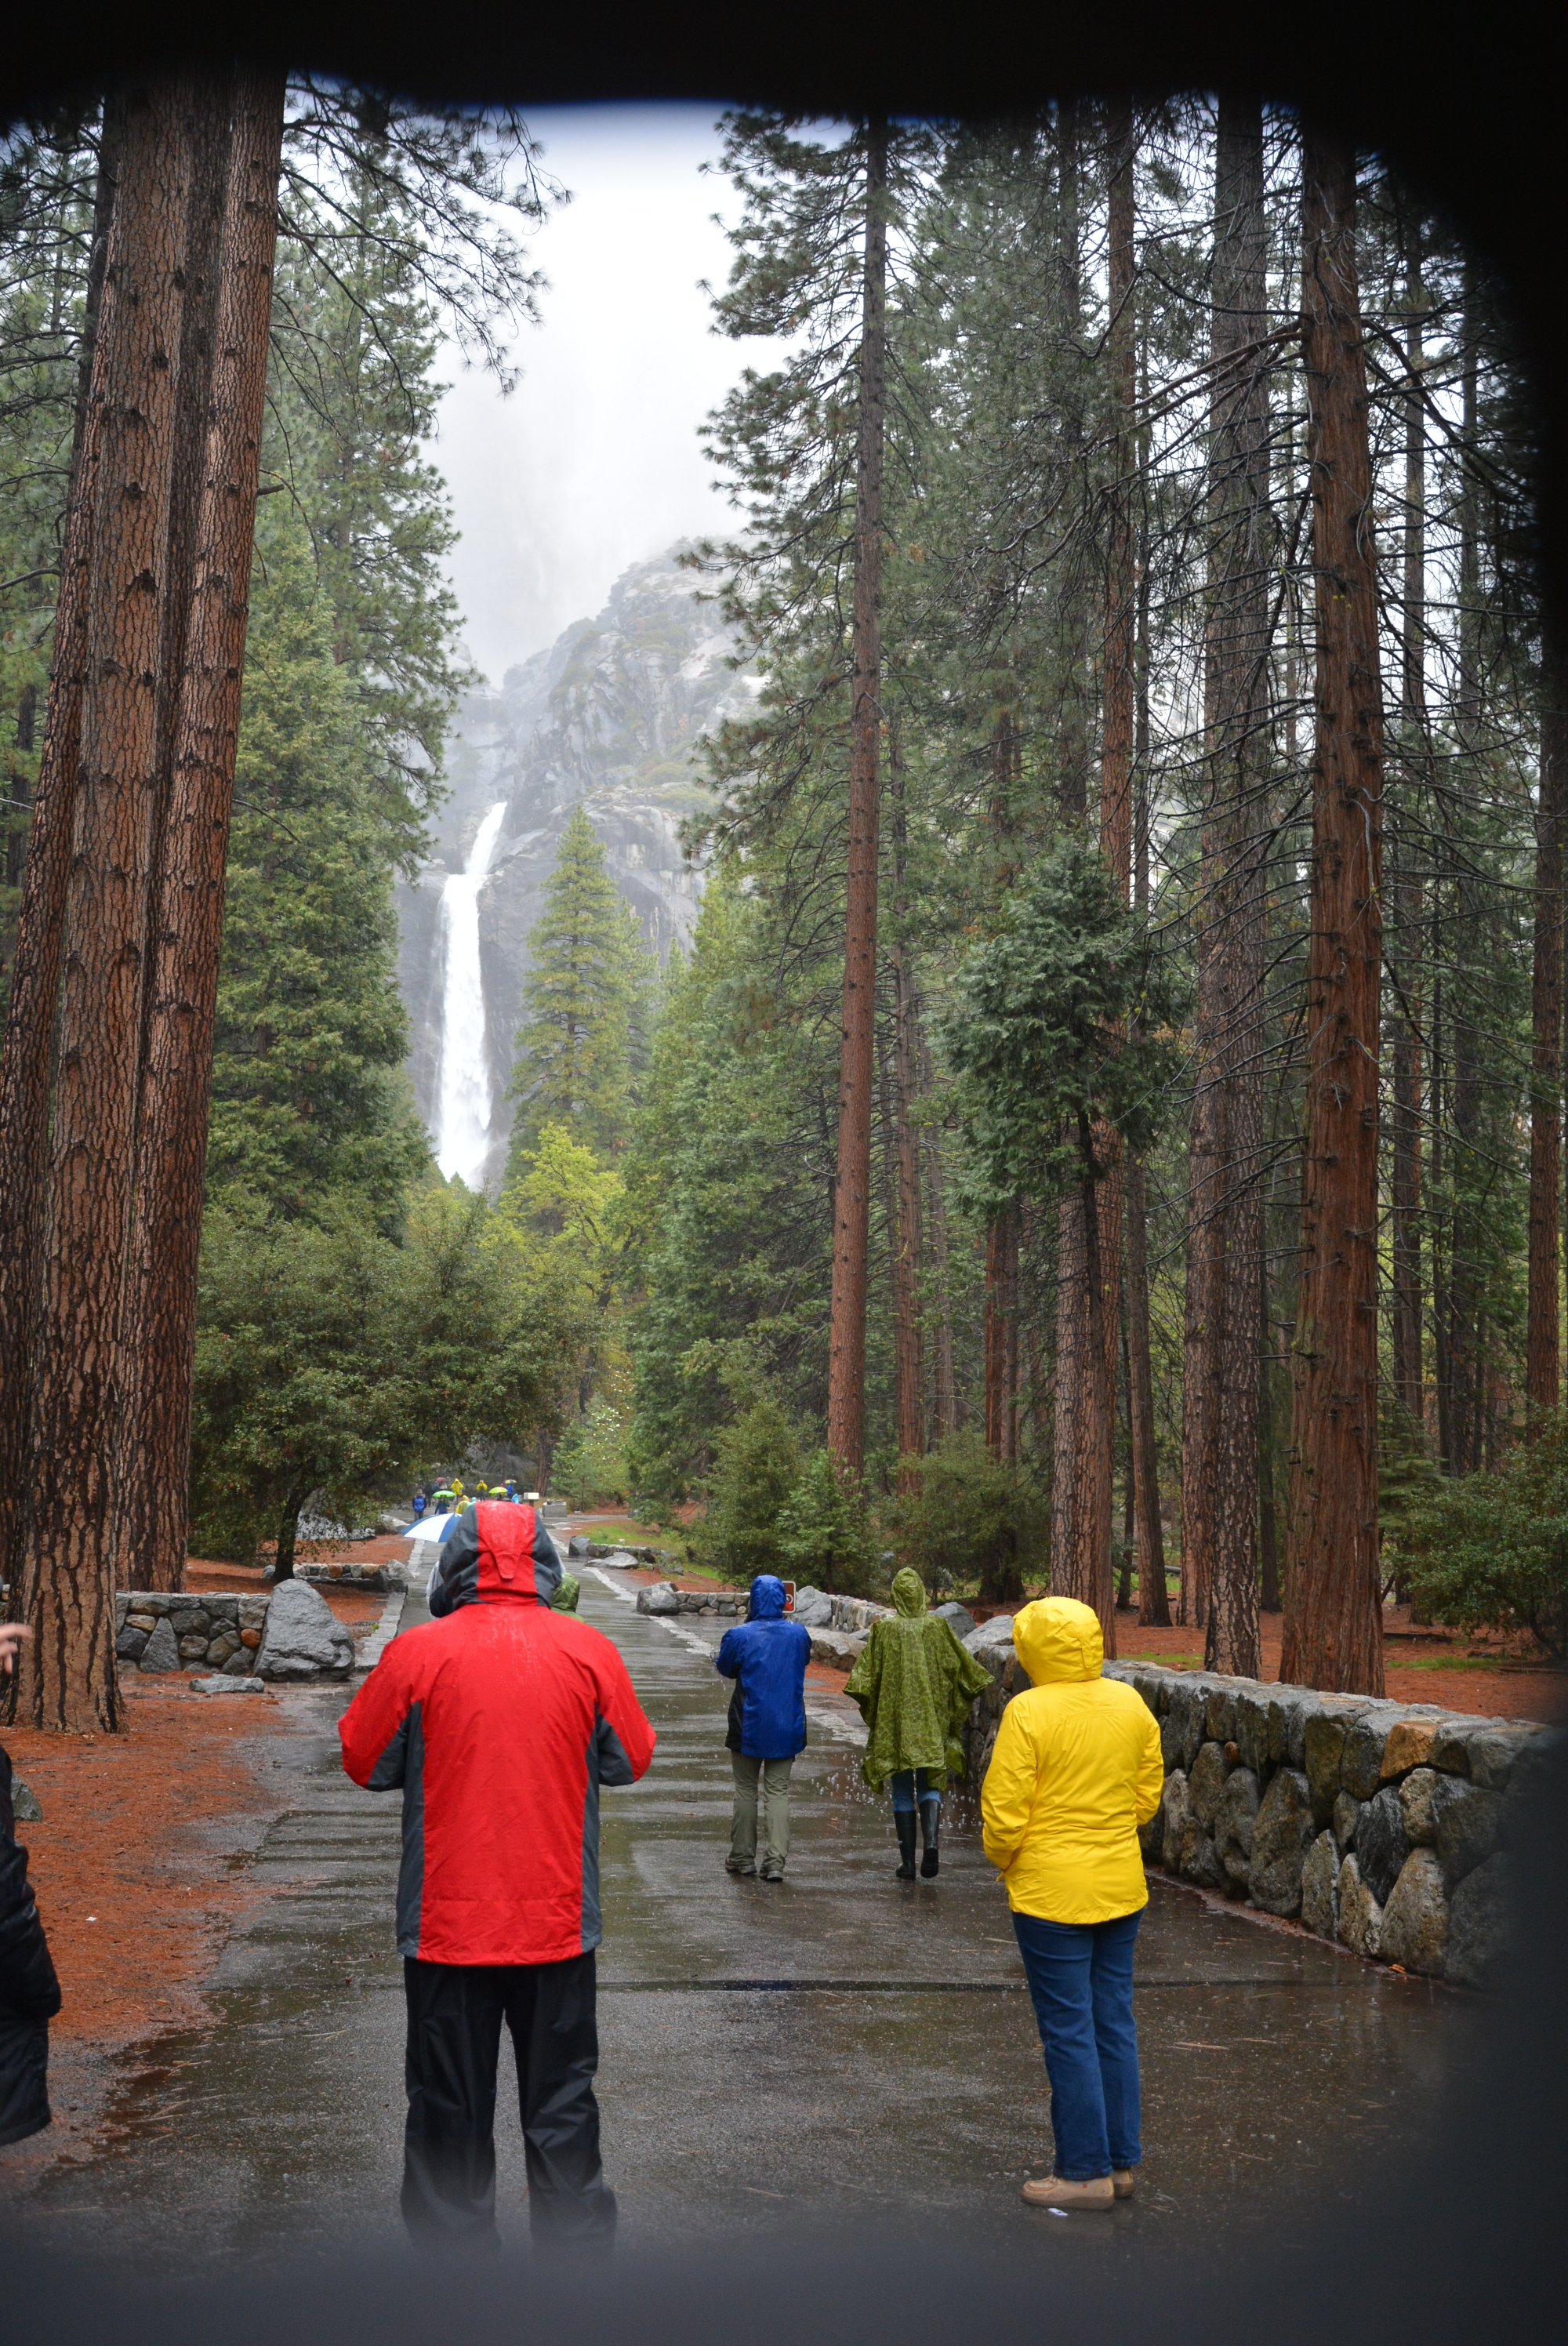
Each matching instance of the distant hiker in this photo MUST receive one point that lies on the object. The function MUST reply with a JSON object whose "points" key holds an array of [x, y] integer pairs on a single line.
{"points": [[915, 1683], [564, 1600], [767, 1657], [419, 1504], [501, 1720], [1076, 1771], [30, 1990]]}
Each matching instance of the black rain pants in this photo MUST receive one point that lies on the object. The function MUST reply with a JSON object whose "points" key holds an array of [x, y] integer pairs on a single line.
{"points": [[454, 2016]]}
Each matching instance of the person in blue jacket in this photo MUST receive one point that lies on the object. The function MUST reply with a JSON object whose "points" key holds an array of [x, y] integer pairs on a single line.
{"points": [[766, 1655]]}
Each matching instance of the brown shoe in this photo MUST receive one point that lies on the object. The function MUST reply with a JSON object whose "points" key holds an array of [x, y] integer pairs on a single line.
{"points": [[1124, 2181], [1051, 2191]]}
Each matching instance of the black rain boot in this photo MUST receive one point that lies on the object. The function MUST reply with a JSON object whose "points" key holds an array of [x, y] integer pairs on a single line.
{"points": [[904, 1820], [930, 1818]]}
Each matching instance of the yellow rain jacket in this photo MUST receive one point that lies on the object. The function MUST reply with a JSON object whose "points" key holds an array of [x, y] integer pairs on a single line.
{"points": [[1076, 1771]]}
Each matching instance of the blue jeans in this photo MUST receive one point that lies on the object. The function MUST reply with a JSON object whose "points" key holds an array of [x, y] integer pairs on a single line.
{"points": [[1081, 1985], [905, 1781]]}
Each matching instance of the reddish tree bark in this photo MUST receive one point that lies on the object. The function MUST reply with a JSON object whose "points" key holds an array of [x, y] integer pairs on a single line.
{"points": [[1333, 1611], [1405, 1198], [65, 1578], [944, 1386], [1546, 1058], [1090, 1219], [1154, 1601], [851, 1196], [1229, 1039], [909, 1366], [27, 1067], [158, 1336]]}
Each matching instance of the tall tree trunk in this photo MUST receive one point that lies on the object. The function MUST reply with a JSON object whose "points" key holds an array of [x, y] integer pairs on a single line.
{"points": [[944, 1384], [28, 1066], [1002, 1337], [1090, 1219], [909, 1365], [1229, 1039], [1466, 1366], [1148, 1528], [1441, 1230], [66, 1576], [1153, 1603], [852, 1197], [1465, 1374], [1267, 1513], [1333, 1611], [1546, 1053], [158, 1337], [1406, 1186]]}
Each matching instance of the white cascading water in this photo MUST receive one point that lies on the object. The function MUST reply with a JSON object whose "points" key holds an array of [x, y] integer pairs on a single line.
{"points": [[463, 1082]]}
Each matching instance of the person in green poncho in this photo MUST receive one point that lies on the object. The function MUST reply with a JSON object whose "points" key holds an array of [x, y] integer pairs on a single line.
{"points": [[564, 1600], [915, 1683]]}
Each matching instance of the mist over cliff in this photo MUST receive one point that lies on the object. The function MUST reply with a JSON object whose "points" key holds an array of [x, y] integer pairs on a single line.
{"points": [[609, 716]]}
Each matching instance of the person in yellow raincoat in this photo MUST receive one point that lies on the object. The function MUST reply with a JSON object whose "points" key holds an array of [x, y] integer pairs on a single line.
{"points": [[1076, 1771]]}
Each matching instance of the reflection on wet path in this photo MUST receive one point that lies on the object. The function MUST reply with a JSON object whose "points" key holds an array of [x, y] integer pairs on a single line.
{"points": [[842, 2048]]}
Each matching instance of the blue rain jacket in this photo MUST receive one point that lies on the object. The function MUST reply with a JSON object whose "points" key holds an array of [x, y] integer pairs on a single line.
{"points": [[767, 1656]]}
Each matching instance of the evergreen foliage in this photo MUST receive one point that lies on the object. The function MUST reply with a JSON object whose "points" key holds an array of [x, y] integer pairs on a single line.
{"points": [[1491, 1550], [1058, 1025], [974, 1523], [826, 1533], [588, 974], [308, 1100], [756, 1466]]}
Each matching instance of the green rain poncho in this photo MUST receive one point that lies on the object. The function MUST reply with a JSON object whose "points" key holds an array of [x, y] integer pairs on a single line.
{"points": [[915, 1683], [564, 1600]]}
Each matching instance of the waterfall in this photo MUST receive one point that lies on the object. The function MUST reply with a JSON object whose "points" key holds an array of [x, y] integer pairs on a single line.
{"points": [[462, 1081]]}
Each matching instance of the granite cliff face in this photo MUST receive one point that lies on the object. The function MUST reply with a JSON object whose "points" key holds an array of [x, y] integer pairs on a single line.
{"points": [[609, 716]]}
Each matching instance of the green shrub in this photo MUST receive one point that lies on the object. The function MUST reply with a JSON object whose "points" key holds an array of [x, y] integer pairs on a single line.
{"points": [[973, 1523], [757, 1462], [825, 1530], [1492, 1551]]}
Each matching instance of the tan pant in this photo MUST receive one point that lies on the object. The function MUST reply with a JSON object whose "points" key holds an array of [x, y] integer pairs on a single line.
{"points": [[772, 1776]]}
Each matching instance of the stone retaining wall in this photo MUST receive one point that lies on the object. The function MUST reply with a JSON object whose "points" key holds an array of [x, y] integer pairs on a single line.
{"points": [[287, 1635], [378, 1578], [189, 1631], [1386, 1826]]}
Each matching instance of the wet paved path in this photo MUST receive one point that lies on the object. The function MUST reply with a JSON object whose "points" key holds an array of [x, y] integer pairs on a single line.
{"points": [[843, 2048]]}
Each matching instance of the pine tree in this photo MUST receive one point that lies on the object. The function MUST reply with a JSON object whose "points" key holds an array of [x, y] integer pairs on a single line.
{"points": [[308, 1098], [588, 973]]}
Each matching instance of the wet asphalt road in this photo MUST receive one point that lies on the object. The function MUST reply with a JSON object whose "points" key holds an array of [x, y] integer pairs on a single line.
{"points": [[844, 2049]]}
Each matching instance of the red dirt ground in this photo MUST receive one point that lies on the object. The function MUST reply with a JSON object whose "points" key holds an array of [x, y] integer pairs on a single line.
{"points": [[129, 1862], [115, 1923], [1459, 1673]]}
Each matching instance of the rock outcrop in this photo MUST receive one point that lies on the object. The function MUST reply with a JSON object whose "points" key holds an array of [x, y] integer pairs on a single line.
{"points": [[610, 717]]}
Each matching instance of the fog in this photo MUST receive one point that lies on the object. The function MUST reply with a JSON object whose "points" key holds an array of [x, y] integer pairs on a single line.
{"points": [[593, 461]]}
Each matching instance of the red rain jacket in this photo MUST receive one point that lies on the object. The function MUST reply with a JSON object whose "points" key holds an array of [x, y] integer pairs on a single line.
{"points": [[500, 1722]]}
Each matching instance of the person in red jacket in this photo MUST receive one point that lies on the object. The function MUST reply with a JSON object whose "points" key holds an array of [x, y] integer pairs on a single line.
{"points": [[500, 1719]]}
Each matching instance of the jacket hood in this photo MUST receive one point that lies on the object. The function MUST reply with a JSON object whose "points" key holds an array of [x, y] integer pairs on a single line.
{"points": [[1058, 1640], [493, 1554], [909, 1592], [509, 1568], [767, 1601]]}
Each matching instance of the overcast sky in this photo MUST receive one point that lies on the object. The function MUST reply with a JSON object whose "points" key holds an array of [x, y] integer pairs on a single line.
{"points": [[593, 461]]}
